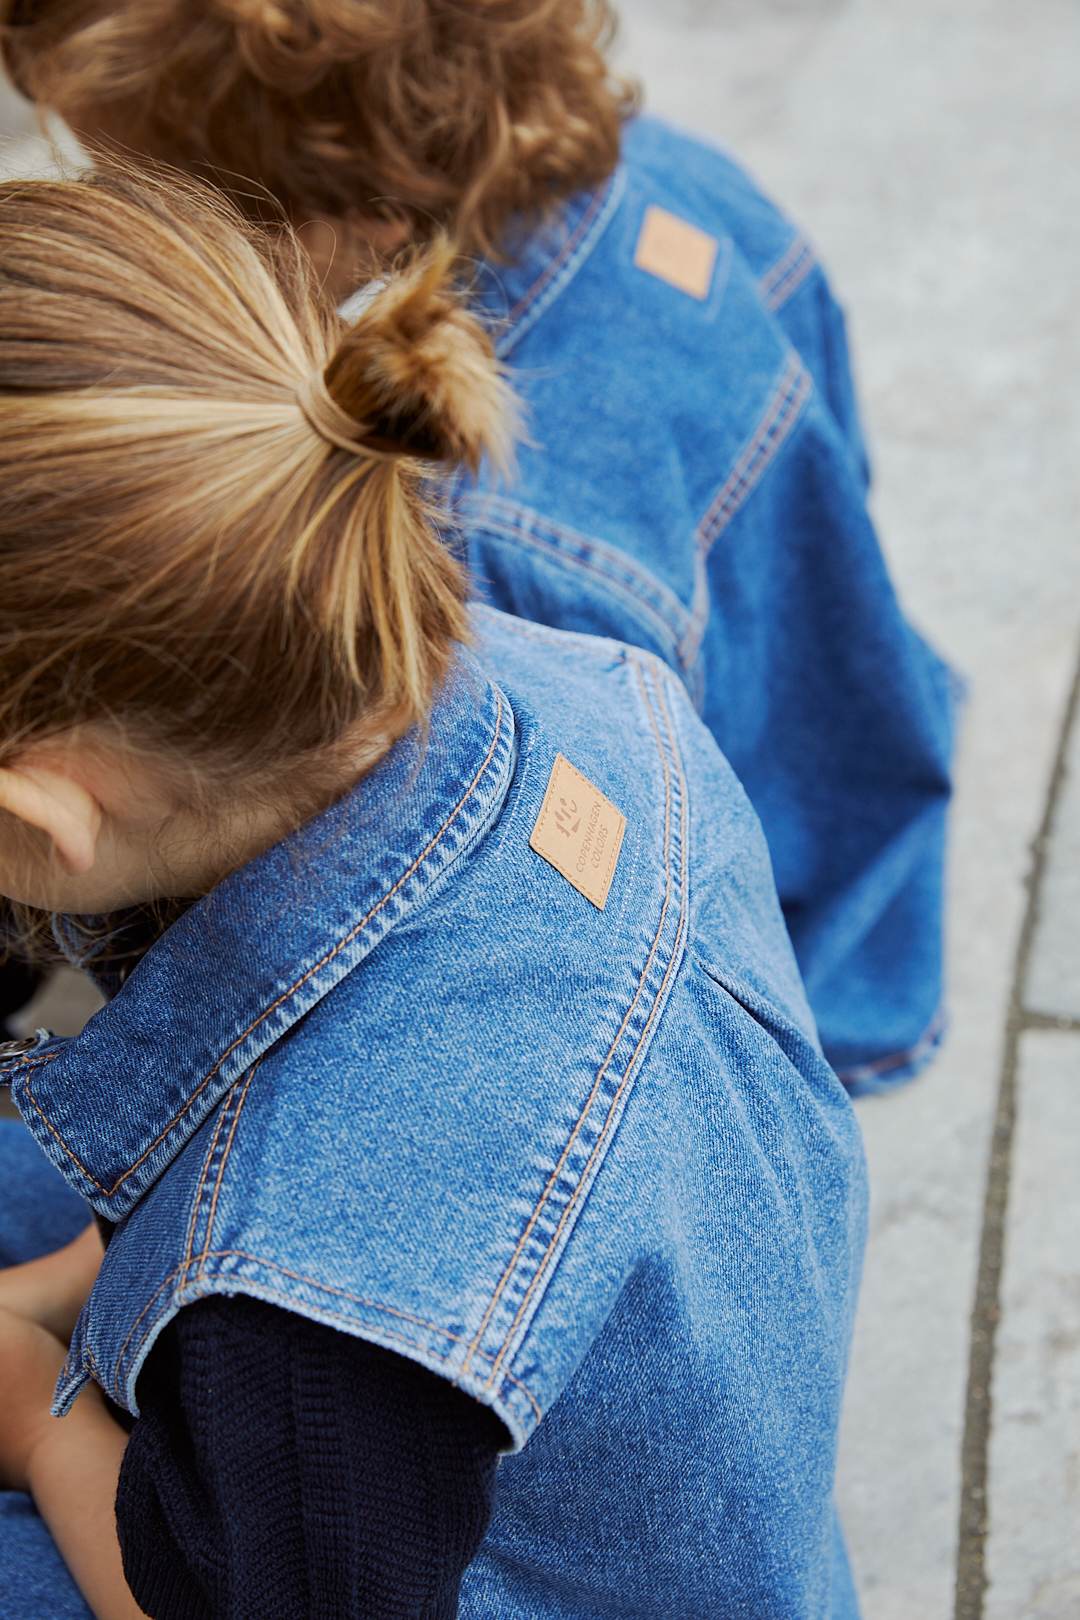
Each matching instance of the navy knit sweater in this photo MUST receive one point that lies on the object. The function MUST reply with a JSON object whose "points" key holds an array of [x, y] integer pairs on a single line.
{"points": [[281, 1470]]}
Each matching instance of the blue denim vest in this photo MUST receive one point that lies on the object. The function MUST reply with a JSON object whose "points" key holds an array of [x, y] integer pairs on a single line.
{"points": [[401, 1075], [695, 483]]}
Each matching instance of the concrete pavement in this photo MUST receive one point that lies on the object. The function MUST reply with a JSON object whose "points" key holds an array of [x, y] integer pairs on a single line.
{"points": [[933, 154]]}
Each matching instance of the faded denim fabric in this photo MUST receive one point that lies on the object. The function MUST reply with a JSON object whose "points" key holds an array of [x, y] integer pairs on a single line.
{"points": [[696, 484], [400, 1075], [37, 1214]]}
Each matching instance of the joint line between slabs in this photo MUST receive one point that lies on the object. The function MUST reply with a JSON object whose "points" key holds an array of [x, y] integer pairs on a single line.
{"points": [[971, 1580]]}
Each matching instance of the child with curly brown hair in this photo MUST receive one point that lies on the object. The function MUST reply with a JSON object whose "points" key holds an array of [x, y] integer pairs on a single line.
{"points": [[694, 479]]}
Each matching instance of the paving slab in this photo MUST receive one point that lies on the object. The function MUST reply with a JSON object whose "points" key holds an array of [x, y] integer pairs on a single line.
{"points": [[1033, 1559], [1053, 980], [63, 1005], [934, 156]]}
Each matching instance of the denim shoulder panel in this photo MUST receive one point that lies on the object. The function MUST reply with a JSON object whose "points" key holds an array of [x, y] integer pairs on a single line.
{"points": [[468, 1094], [550, 1223], [653, 415], [703, 175]]}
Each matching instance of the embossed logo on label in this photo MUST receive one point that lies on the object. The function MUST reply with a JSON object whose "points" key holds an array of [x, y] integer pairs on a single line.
{"points": [[676, 252], [579, 832]]}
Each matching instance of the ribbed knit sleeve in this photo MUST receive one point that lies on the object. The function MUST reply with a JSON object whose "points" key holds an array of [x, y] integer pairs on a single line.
{"points": [[280, 1468]]}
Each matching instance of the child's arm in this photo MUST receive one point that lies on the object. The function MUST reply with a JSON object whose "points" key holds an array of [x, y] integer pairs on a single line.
{"points": [[69, 1465], [53, 1289]]}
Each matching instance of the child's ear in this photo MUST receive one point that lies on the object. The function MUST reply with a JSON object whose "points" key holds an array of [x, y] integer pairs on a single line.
{"points": [[45, 795]]}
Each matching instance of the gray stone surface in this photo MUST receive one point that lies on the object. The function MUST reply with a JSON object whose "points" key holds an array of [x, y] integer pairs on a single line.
{"points": [[934, 155], [1034, 1549], [30, 146], [16, 117], [1053, 981], [64, 1005]]}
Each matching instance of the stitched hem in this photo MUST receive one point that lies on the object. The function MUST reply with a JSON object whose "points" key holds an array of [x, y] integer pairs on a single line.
{"points": [[896, 1068], [229, 1272]]}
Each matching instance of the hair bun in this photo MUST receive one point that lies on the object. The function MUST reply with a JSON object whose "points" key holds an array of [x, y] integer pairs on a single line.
{"points": [[418, 375]]}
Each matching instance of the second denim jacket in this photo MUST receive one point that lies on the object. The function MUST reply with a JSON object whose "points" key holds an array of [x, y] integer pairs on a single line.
{"points": [[504, 1063], [695, 482]]}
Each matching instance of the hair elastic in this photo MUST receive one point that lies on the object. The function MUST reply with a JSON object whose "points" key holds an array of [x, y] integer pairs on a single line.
{"points": [[327, 418]]}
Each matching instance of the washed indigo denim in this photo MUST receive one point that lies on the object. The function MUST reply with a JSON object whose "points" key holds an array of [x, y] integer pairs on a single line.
{"points": [[37, 1214], [398, 1074], [694, 481]]}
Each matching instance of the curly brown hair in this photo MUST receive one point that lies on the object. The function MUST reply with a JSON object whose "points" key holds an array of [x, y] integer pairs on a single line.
{"points": [[458, 114]]}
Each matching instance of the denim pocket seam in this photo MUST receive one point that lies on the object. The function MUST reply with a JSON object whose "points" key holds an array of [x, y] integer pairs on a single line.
{"points": [[346, 940]]}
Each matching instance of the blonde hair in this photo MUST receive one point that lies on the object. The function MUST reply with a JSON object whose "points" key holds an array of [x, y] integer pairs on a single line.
{"points": [[219, 508], [459, 115]]}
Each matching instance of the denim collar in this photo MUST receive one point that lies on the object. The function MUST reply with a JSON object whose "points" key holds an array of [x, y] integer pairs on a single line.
{"points": [[114, 1106], [512, 297], [541, 263]]}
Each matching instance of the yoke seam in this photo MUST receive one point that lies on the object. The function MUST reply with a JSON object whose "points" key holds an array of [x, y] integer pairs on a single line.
{"points": [[782, 279], [759, 451], [583, 1115], [756, 456], [212, 1215], [629, 1071], [563, 266], [196, 1204], [521, 525]]}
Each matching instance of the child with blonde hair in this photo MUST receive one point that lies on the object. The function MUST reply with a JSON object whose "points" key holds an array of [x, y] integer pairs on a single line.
{"points": [[693, 480], [457, 1095]]}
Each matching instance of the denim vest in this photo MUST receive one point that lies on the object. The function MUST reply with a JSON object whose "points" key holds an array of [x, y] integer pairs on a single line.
{"points": [[695, 483], [402, 1075]]}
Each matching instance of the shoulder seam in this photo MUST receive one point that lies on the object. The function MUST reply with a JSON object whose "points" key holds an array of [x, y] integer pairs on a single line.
{"points": [[792, 390], [786, 276], [620, 1087]]}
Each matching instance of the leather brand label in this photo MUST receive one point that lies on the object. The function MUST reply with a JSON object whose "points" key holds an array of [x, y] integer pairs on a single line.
{"points": [[579, 832], [676, 252]]}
